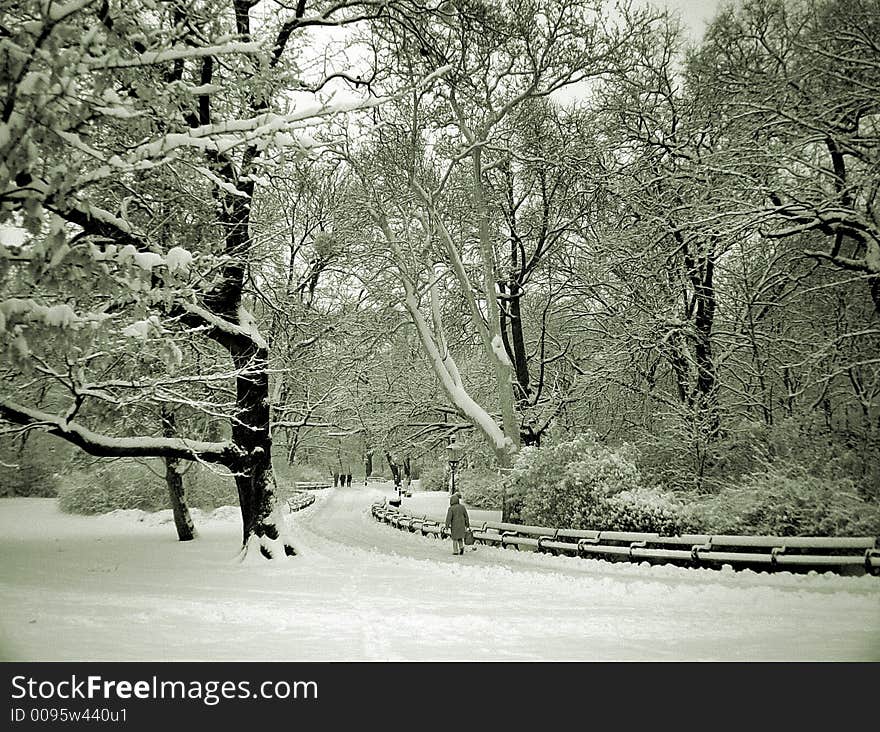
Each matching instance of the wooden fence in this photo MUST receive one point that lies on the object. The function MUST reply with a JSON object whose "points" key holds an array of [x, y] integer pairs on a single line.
{"points": [[843, 555]]}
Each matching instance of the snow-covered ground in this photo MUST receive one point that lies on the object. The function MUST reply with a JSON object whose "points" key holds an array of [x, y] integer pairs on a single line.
{"points": [[121, 587]]}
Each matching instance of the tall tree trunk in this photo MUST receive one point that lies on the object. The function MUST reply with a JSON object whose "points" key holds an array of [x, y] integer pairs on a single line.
{"points": [[292, 444], [407, 470], [516, 347], [699, 307], [520, 358], [704, 321], [186, 530], [501, 364], [183, 522], [395, 468], [262, 522]]}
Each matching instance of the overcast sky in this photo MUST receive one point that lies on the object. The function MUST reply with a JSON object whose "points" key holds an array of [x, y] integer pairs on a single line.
{"points": [[695, 14]]}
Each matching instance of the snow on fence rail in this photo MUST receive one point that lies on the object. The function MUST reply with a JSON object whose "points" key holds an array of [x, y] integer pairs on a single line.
{"points": [[845, 554], [299, 501]]}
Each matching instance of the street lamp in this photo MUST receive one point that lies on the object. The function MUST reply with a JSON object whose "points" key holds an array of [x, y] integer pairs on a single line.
{"points": [[453, 455]]}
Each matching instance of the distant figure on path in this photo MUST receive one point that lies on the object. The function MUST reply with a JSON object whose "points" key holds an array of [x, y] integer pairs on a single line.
{"points": [[458, 522], [348, 480]]}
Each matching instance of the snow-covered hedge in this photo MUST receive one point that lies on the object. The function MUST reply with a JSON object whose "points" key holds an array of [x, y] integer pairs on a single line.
{"points": [[481, 488], [583, 483], [788, 502]]}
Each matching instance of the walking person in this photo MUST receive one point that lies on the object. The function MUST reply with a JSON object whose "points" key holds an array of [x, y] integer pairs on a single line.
{"points": [[458, 522]]}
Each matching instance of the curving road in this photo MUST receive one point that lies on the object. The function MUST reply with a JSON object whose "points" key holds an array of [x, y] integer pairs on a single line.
{"points": [[511, 604], [120, 587]]}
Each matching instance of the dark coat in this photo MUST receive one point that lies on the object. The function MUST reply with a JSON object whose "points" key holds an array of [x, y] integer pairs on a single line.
{"points": [[457, 519]]}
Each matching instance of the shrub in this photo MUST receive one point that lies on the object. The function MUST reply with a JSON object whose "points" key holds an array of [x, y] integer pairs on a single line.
{"points": [[434, 477], [481, 488], [560, 484], [788, 502], [641, 509], [32, 471], [120, 484], [127, 484], [584, 484]]}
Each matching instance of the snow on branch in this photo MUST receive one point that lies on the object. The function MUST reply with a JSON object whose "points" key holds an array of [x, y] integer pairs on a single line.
{"points": [[829, 220], [101, 445], [228, 134], [857, 265], [58, 12], [177, 53], [246, 327], [327, 18], [443, 365]]}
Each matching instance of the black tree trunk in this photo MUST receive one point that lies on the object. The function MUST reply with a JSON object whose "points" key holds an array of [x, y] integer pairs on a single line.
{"points": [[251, 434], [395, 468], [174, 481], [520, 357], [704, 321]]}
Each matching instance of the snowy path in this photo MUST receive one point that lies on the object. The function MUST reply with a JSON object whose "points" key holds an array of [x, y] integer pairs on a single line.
{"points": [[115, 588]]}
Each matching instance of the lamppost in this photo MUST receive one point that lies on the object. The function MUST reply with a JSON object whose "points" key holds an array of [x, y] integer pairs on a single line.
{"points": [[453, 455]]}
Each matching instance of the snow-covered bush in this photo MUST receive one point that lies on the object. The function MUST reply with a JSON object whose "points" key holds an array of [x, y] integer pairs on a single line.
{"points": [[788, 502], [480, 488], [127, 484], [32, 470], [561, 482], [642, 509], [112, 486], [582, 483], [434, 477]]}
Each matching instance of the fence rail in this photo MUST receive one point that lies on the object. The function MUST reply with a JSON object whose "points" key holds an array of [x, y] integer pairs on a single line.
{"points": [[299, 501], [844, 555], [311, 485]]}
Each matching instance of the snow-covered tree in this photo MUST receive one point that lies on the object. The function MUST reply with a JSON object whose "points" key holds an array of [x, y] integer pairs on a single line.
{"points": [[800, 79], [430, 166], [134, 138]]}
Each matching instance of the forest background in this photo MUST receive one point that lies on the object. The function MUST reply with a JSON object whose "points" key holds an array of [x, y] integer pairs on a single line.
{"points": [[635, 276]]}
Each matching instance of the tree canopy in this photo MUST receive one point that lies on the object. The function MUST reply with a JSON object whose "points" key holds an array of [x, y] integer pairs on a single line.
{"points": [[234, 231]]}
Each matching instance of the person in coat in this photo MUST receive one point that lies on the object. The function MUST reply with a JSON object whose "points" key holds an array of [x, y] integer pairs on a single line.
{"points": [[458, 522]]}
